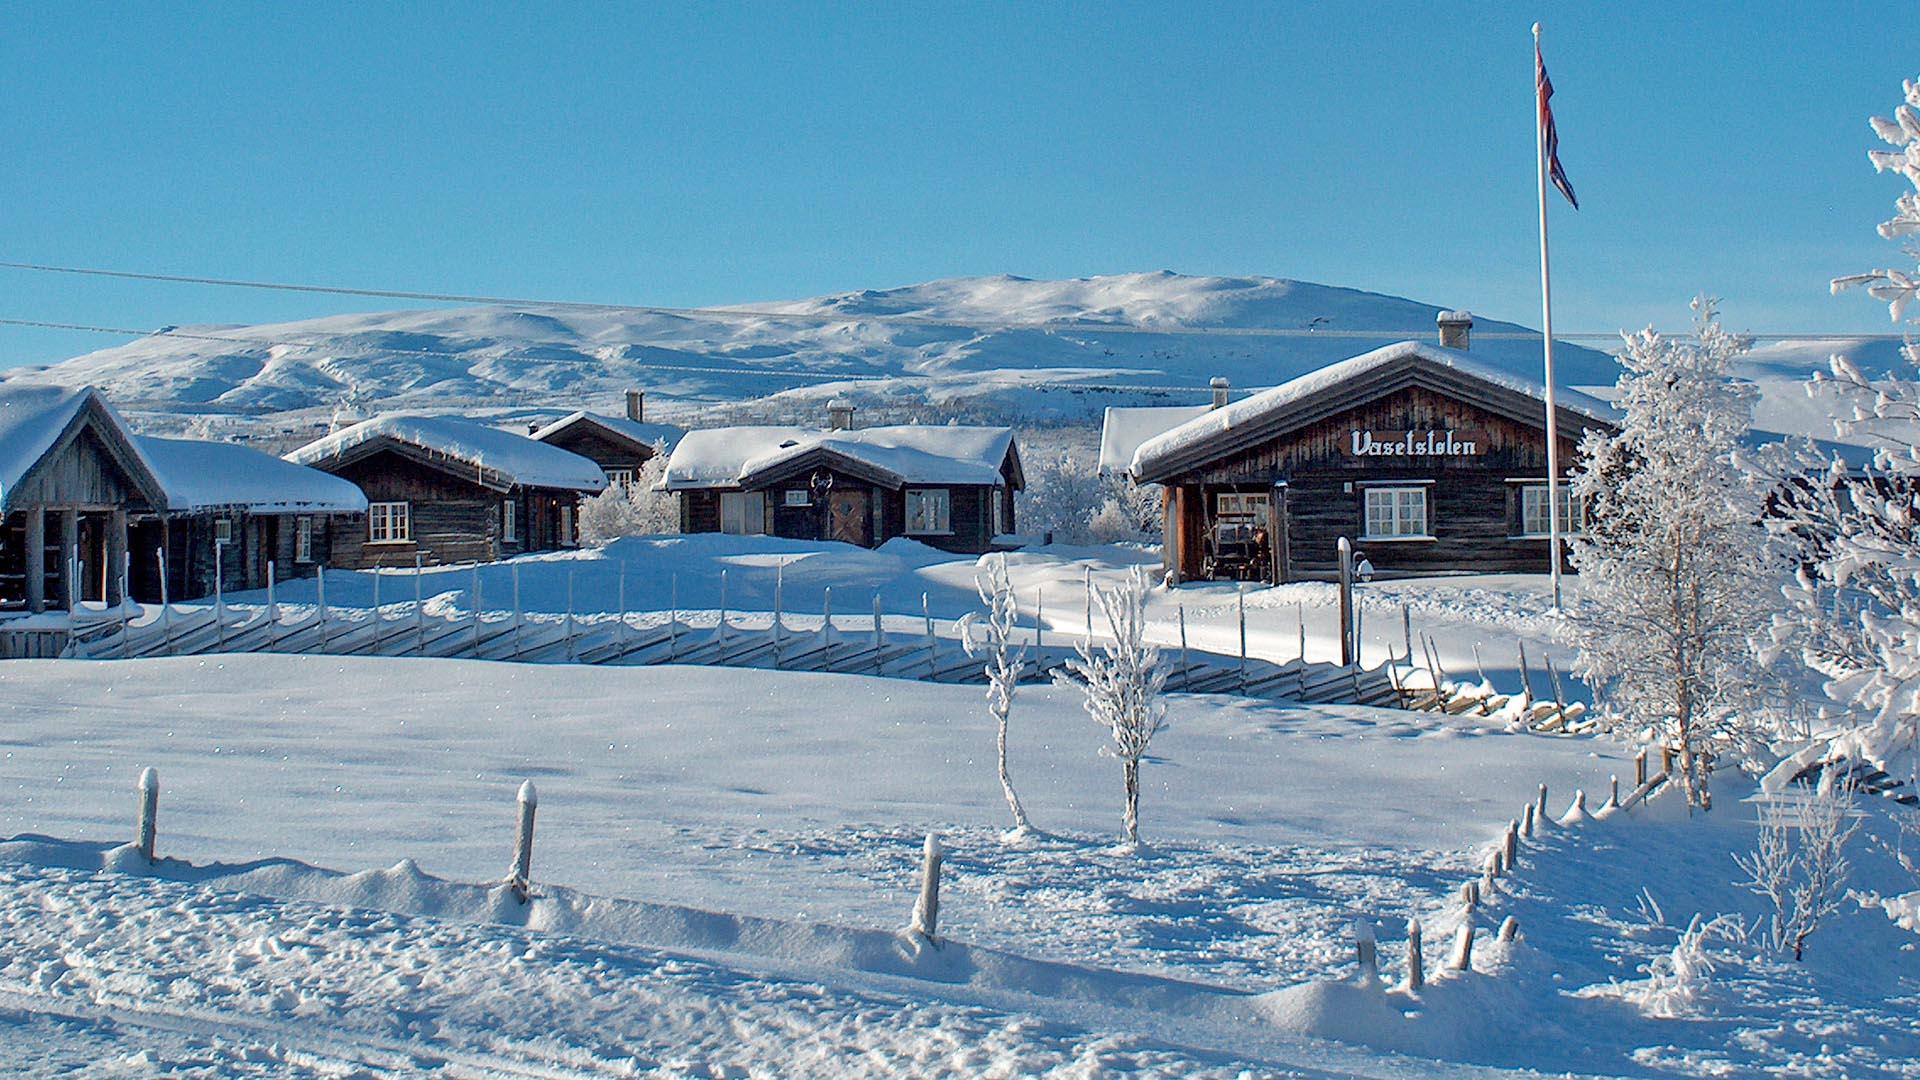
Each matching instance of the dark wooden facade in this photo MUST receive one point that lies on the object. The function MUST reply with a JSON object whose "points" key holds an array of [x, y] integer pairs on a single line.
{"points": [[1302, 458], [613, 450], [453, 515], [198, 565]]}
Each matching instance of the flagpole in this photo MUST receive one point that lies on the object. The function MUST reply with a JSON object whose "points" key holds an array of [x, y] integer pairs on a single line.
{"points": [[1546, 333]]}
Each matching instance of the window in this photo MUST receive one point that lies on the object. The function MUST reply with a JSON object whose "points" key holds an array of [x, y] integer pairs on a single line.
{"points": [[999, 511], [1533, 511], [566, 526], [509, 527], [928, 511], [303, 539], [388, 523], [1241, 508], [798, 497], [619, 477], [743, 512], [1394, 513], [223, 530]]}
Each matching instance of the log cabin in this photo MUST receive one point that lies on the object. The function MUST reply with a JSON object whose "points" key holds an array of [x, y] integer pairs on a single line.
{"points": [[1427, 461], [950, 487], [235, 517], [447, 490], [620, 445]]}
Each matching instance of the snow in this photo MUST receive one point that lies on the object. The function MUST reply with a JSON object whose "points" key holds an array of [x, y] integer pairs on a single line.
{"points": [[202, 475], [31, 418], [1124, 428], [643, 433], [903, 453], [513, 459], [1247, 410]]}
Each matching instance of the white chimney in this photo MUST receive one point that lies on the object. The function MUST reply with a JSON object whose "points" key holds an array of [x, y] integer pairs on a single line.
{"points": [[839, 415], [1220, 387], [636, 406], [1456, 328]]}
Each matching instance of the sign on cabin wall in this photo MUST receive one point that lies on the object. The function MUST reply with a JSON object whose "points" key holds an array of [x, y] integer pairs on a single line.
{"points": [[1368, 443]]}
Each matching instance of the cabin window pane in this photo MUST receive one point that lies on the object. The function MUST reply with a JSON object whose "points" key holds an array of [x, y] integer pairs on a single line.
{"points": [[1533, 511], [743, 513], [1241, 508], [1396, 512], [928, 511], [999, 511], [619, 477], [303, 539], [509, 528], [388, 523], [566, 526], [799, 497]]}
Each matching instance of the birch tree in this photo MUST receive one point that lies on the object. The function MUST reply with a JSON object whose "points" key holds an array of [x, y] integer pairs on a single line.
{"points": [[1004, 662], [1675, 579], [1122, 680]]}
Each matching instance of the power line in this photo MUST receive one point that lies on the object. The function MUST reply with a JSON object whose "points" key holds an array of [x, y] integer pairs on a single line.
{"points": [[752, 314]]}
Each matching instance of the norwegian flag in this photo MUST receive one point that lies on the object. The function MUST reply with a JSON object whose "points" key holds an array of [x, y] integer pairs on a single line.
{"points": [[1549, 135]]}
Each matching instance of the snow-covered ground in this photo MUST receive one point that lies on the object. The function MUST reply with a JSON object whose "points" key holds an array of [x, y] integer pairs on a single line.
{"points": [[723, 861]]}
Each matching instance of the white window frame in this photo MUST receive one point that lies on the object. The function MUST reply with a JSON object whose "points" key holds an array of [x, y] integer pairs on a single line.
{"points": [[796, 497], [567, 536], [743, 513], [934, 512], [509, 522], [223, 530], [619, 477], [999, 511], [1534, 524], [1404, 511], [303, 538], [389, 523], [1243, 507]]}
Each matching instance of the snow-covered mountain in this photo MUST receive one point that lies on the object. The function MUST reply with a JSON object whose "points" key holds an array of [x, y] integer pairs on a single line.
{"points": [[1001, 348], [991, 343]]}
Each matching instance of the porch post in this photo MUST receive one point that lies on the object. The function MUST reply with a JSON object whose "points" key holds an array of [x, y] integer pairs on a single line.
{"points": [[69, 558], [1172, 509], [36, 559], [116, 557]]}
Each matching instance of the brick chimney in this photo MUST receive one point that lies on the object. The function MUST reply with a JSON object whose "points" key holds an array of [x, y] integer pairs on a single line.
{"points": [[637, 406], [839, 415], [1220, 387], [1456, 329]]}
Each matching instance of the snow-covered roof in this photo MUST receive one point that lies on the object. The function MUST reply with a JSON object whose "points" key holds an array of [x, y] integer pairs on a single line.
{"points": [[201, 475], [1213, 424], [1124, 429], [901, 454], [497, 456], [31, 419], [640, 432]]}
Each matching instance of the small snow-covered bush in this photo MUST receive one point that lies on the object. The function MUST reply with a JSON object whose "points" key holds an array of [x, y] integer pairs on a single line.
{"points": [[634, 509], [1799, 863], [1677, 980], [1122, 681]]}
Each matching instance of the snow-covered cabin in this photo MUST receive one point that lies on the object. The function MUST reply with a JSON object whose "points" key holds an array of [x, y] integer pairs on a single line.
{"points": [[71, 477], [449, 490], [231, 512], [620, 445], [948, 486], [1426, 460]]}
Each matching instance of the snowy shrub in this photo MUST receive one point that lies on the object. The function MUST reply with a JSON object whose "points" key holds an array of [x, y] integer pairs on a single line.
{"points": [[1067, 496], [1005, 661], [1799, 863], [1675, 575], [1122, 681], [1677, 980], [634, 509]]}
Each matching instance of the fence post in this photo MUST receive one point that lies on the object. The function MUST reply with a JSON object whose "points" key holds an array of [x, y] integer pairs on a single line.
{"points": [[926, 613], [522, 878], [1511, 846], [516, 610], [1346, 602], [1640, 768], [1470, 896], [879, 630], [149, 812], [779, 589], [1300, 619], [620, 631], [1367, 952], [273, 609], [567, 627], [673, 617], [1553, 680], [166, 608], [1186, 666], [1463, 947], [1416, 962], [1509, 928], [419, 610], [1088, 583], [320, 603], [926, 910], [826, 614], [1540, 805], [219, 598], [1240, 602], [1526, 683], [476, 610], [720, 628], [376, 598], [1406, 629], [1526, 820], [1039, 612]]}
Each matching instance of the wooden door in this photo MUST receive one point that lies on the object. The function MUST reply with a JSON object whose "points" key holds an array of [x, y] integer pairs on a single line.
{"points": [[847, 517]]}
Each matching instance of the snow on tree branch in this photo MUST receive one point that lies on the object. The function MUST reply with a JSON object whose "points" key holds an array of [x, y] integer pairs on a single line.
{"points": [[1122, 680]]}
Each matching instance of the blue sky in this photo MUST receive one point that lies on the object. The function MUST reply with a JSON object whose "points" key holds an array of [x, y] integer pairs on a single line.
{"points": [[728, 153]]}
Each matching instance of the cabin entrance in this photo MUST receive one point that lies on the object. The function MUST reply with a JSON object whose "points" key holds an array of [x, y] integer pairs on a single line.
{"points": [[847, 517]]}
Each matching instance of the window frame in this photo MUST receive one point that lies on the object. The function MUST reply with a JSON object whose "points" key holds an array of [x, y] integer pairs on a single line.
{"points": [[1573, 517], [303, 538], [796, 497], [386, 513], [620, 476], [745, 501], [223, 530], [509, 522], [939, 497], [1397, 518]]}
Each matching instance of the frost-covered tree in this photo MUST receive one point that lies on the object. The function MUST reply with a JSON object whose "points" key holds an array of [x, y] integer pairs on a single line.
{"points": [[633, 509], [1799, 863], [1122, 680], [1067, 496], [1675, 576], [1855, 604], [1004, 661]]}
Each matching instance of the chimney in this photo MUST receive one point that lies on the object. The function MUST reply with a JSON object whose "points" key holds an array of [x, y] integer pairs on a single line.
{"points": [[839, 415], [637, 406], [1220, 387], [533, 426], [1456, 327]]}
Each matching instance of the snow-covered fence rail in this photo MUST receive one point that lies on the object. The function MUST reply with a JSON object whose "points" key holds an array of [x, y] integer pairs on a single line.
{"points": [[878, 644], [1424, 686]]}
